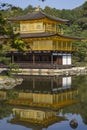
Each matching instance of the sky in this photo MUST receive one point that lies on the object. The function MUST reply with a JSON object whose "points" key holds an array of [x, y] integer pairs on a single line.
{"points": [[58, 4]]}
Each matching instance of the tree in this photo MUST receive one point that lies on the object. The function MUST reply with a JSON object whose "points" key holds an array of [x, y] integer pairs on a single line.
{"points": [[8, 40], [3, 32]]}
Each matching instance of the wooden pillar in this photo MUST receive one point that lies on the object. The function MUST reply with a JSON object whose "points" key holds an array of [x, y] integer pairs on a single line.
{"points": [[66, 95], [33, 83], [52, 84], [33, 58], [12, 57], [62, 96], [51, 58], [67, 48], [58, 97], [70, 46], [61, 45]]}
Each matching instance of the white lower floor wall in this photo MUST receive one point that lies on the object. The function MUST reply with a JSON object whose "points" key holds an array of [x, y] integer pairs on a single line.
{"points": [[66, 59]]}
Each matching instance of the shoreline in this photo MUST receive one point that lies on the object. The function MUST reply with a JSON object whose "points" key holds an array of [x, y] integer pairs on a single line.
{"points": [[51, 72]]}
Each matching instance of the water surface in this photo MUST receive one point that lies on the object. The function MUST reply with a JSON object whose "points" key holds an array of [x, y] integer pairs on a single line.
{"points": [[45, 103]]}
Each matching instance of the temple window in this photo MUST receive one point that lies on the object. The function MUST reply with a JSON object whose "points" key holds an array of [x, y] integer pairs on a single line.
{"points": [[23, 27], [38, 26]]}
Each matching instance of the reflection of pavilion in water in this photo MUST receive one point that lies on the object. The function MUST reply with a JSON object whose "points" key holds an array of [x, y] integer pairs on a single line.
{"points": [[31, 117], [38, 93], [40, 100], [46, 84]]}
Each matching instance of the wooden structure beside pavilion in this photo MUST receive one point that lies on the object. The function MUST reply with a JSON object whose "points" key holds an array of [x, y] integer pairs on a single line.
{"points": [[48, 47]]}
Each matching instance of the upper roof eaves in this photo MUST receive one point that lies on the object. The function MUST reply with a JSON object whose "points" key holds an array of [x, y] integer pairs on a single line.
{"points": [[45, 34], [36, 15]]}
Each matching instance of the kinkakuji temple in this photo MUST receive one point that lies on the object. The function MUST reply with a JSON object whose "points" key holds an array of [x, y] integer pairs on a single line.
{"points": [[48, 46]]}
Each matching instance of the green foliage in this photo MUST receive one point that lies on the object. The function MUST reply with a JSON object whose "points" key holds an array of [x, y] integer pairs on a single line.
{"points": [[85, 9], [12, 67], [4, 60], [28, 9], [11, 94], [9, 39], [80, 57], [5, 109]]}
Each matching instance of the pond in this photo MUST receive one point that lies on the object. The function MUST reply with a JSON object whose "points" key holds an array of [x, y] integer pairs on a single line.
{"points": [[45, 103]]}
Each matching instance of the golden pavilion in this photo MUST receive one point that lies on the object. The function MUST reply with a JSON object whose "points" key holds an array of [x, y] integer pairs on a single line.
{"points": [[48, 46]]}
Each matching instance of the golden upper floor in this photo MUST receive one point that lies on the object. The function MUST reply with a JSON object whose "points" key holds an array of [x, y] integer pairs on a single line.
{"points": [[38, 21], [37, 27]]}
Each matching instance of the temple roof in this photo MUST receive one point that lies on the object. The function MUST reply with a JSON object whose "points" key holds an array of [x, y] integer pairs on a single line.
{"points": [[39, 125], [36, 15], [45, 34]]}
